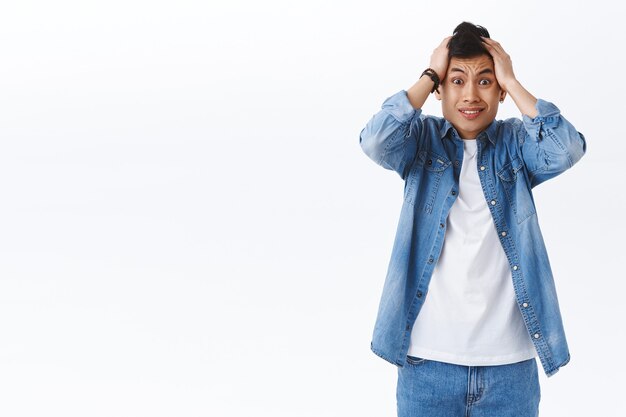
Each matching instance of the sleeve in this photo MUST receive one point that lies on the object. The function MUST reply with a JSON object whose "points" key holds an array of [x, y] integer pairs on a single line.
{"points": [[549, 143], [390, 137]]}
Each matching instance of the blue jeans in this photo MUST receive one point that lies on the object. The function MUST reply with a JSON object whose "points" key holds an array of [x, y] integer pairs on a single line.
{"points": [[429, 388]]}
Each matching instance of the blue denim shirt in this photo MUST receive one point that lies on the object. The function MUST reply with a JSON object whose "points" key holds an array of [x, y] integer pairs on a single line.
{"points": [[513, 157]]}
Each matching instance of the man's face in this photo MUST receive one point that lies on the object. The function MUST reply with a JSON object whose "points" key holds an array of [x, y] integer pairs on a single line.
{"points": [[470, 95]]}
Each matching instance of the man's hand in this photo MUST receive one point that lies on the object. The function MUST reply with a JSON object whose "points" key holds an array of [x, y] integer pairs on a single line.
{"points": [[420, 91], [502, 63], [503, 67], [439, 58]]}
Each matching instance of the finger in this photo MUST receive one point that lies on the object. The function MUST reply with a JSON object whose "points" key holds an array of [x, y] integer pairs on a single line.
{"points": [[491, 49], [487, 41], [490, 41], [495, 51], [495, 45]]}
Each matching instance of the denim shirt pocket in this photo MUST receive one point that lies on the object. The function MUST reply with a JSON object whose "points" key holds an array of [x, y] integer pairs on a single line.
{"points": [[517, 189], [423, 181]]}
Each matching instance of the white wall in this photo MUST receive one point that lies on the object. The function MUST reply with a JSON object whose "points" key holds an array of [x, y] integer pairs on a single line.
{"points": [[188, 226]]}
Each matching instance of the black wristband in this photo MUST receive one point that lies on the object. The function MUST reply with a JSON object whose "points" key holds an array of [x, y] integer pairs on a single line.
{"points": [[432, 74]]}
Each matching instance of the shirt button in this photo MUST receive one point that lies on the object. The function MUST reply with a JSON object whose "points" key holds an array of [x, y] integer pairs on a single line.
{"points": [[515, 268], [441, 225], [482, 167], [430, 162], [419, 294], [524, 305], [453, 192], [493, 202], [431, 260], [536, 335], [503, 234], [408, 327], [456, 163]]}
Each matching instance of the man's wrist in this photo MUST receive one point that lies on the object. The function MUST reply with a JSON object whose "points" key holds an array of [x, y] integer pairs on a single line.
{"points": [[432, 74]]}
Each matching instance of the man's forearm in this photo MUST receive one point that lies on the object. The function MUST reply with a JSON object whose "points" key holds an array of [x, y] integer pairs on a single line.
{"points": [[524, 101], [419, 92]]}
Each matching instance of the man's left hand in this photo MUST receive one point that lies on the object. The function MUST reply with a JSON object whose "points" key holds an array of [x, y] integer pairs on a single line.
{"points": [[502, 63]]}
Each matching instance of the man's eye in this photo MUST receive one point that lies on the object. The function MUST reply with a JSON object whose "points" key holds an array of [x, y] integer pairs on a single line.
{"points": [[485, 82], [457, 81]]}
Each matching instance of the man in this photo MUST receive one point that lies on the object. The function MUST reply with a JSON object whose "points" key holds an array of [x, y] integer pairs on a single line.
{"points": [[469, 299]]}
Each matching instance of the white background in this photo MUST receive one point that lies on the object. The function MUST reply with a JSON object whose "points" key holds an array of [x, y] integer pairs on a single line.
{"points": [[188, 226]]}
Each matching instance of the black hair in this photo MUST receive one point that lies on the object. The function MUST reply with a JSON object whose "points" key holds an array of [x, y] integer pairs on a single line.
{"points": [[466, 41]]}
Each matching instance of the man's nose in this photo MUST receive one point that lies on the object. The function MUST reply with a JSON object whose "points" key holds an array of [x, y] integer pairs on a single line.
{"points": [[470, 93]]}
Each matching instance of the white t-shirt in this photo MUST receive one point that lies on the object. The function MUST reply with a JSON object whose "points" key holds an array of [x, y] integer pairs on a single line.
{"points": [[470, 316]]}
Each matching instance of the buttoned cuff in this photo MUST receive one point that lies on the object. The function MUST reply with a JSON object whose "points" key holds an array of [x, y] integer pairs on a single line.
{"points": [[400, 107], [548, 116]]}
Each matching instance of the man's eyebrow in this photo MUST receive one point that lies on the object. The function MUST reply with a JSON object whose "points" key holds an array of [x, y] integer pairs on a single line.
{"points": [[485, 71]]}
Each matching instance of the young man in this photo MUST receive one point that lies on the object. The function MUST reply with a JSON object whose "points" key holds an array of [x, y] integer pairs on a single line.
{"points": [[469, 299]]}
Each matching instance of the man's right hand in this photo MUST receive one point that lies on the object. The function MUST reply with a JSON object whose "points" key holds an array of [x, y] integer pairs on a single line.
{"points": [[439, 58], [420, 91]]}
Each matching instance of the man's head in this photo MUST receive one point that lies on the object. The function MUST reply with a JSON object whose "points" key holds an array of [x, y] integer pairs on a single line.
{"points": [[470, 93]]}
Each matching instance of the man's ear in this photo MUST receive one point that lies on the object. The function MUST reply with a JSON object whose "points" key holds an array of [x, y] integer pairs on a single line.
{"points": [[502, 95], [438, 94]]}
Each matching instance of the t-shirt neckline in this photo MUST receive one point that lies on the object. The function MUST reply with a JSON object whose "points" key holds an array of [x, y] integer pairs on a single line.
{"points": [[470, 147]]}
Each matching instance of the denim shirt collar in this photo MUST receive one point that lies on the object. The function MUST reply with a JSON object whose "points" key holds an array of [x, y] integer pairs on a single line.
{"points": [[490, 132]]}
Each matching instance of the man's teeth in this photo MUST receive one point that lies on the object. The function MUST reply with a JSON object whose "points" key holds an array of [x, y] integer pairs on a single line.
{"points": [[470, 111]]}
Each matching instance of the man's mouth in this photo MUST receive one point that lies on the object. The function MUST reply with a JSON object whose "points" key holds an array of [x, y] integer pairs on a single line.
{"points": [[470, 113]]}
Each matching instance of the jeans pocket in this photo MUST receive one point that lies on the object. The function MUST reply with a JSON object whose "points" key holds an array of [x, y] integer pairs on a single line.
{"points": [[414, 360]]}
